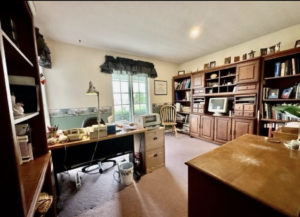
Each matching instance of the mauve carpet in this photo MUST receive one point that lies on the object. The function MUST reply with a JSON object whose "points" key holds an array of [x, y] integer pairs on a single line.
{"points": [[160, 193]]}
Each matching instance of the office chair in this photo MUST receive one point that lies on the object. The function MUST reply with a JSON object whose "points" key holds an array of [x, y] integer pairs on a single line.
{"points": [[86, 123], [168, 117]]}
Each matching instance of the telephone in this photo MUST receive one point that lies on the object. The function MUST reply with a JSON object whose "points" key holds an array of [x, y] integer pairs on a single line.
{"points": [[74, 133]]}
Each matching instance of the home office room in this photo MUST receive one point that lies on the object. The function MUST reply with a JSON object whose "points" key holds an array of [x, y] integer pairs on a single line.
{"points": [[150, 108]]}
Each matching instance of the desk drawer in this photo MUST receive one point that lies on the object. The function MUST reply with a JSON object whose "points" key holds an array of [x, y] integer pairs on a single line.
{"points": [[238, 113], [239, 107], [248, 113], [155, 159], [249, 107]]}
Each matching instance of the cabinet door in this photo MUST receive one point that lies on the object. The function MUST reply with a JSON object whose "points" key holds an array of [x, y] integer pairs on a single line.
{"points": [[198, 80], [241, 127], [194, 125], [207, 127], [247, 72], [222, 129]]}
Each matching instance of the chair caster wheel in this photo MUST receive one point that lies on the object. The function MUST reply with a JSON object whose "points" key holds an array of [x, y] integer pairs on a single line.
{"points": [[101, 171]]}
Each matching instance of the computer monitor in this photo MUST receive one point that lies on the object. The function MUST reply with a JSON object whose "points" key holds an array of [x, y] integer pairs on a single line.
{"points": [[218, 106]]}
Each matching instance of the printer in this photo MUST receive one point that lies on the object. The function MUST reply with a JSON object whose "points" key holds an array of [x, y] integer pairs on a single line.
{"points": [[148, 121]]}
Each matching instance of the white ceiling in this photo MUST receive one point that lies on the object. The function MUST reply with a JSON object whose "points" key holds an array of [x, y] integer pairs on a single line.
{"points": [[161, 30]]}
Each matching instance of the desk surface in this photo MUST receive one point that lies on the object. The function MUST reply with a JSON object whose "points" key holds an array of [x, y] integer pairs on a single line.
{"points": [[265, 171], [86, 140]]}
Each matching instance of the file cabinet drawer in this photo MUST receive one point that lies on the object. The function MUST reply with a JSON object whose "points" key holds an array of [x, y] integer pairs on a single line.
{"points": [[196, 105], [238, 106], [201, 106], [155, 159], [200, 110], [249, 107], [248, 113], [154, 139], [195, 110], [238, 113]]}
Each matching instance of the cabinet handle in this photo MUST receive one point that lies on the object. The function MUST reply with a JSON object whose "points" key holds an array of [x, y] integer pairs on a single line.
{"points": [[155, 155], [155, 138], [233, 132], [230, 131]]}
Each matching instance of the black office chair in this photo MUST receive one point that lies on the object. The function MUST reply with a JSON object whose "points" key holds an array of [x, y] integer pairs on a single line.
{"points": [[88, 122]]}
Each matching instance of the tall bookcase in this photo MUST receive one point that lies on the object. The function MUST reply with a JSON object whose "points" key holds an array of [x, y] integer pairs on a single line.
{"points": [[182, 95], [21, 183], [280, 71]]}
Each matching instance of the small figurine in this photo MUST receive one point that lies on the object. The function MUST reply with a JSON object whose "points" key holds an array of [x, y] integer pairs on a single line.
{"points": [[18, 109], [277, 48], [251, 54]]}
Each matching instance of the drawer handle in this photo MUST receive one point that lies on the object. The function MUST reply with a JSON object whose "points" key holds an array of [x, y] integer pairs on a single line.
{"points": [[155, 155], [155, 138]]}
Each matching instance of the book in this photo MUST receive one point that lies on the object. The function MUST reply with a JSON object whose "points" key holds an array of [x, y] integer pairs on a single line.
{"points": [[293, 67], [282, 69], [277, 69], [297, 95]]}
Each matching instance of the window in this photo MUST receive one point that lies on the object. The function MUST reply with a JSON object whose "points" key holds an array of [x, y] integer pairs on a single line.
{"points": [[131, 97]]}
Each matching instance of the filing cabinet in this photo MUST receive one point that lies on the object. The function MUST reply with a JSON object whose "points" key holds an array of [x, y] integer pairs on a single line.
{"points": [[154, 150]]}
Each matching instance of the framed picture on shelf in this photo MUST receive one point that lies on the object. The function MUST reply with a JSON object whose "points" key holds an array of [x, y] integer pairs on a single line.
{"points": [[212, 64], [206, 66], [273, 94], [237, 58], [286, 93], [263, 51], [227, 60], [182, 72], [160, 87], [297, 43], [272, 49]]}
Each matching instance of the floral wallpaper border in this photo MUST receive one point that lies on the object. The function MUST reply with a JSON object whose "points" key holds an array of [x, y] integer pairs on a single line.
{"points": [[67, 112]]}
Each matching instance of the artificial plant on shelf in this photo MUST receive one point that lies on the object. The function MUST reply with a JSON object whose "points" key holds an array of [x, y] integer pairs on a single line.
{"points": [[292, 111]]}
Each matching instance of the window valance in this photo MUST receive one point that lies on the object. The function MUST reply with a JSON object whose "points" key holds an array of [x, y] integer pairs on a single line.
{"points": [[127, 66]]}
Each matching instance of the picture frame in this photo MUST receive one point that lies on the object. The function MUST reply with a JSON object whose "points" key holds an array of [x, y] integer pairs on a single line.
{"points": [[297, 43], [263, 51], [212, 64], [181, 72], [237, 58], [251, 54], [227, 60], [272, 49], [286, 93], [244, 56], [206, 66], [160, 87], [273, 94]]}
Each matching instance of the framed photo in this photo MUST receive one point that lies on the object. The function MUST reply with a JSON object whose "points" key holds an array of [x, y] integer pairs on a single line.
{"points": [[297, 43], [212, 64], [286, 93], [206, 66], [273, 94], [182, 72], [244, 56], [263, 51], [227, 60], [237, 58], [160, 87]]}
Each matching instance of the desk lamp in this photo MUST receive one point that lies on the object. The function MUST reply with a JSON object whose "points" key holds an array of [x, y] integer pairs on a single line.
{"points": [[92, 91]]}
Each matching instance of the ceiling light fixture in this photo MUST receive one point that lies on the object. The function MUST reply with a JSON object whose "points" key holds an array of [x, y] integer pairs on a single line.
{"points": [[195, 33]]}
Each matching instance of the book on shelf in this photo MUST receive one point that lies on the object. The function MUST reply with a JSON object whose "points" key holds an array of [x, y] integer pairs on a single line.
{"points": [[282, 69], [293, 67], [297, 93], [277, 69]]}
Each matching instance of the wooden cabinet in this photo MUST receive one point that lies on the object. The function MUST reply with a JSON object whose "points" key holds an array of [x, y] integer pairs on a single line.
{"points": [[207, 127], [197, 80], [154, 150], [241, 127], [194, 125], [222, 129], [247, 72], [22, 181]]}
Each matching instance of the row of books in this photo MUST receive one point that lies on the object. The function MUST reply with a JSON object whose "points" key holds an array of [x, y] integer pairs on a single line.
{"points": [[287, 67], [180, 96], [184, 84], [288, 93], [270, 113], [272, 127], [24, 140], [183, 118]]}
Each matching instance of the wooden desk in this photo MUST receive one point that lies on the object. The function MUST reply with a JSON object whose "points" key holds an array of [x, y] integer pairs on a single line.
{"points": [[76, 154], [248, 176]]}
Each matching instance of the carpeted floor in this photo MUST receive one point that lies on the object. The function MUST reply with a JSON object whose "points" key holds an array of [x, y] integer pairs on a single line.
{"points": [[160, 193]]}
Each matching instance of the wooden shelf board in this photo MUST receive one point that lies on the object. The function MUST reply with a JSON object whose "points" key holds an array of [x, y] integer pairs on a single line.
{"points": [[12, 52], [183, 89], [274, 120], [25, 117], [282, 77], [281, 100], [32, 176], [227, 76]]}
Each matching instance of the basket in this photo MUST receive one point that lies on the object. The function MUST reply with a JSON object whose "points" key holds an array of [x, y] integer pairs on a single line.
{"points": [[43, 203], [286, 133]]}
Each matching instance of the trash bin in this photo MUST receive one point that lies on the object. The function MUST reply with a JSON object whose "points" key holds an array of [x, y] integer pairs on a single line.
{"points": [[126, 172]]}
